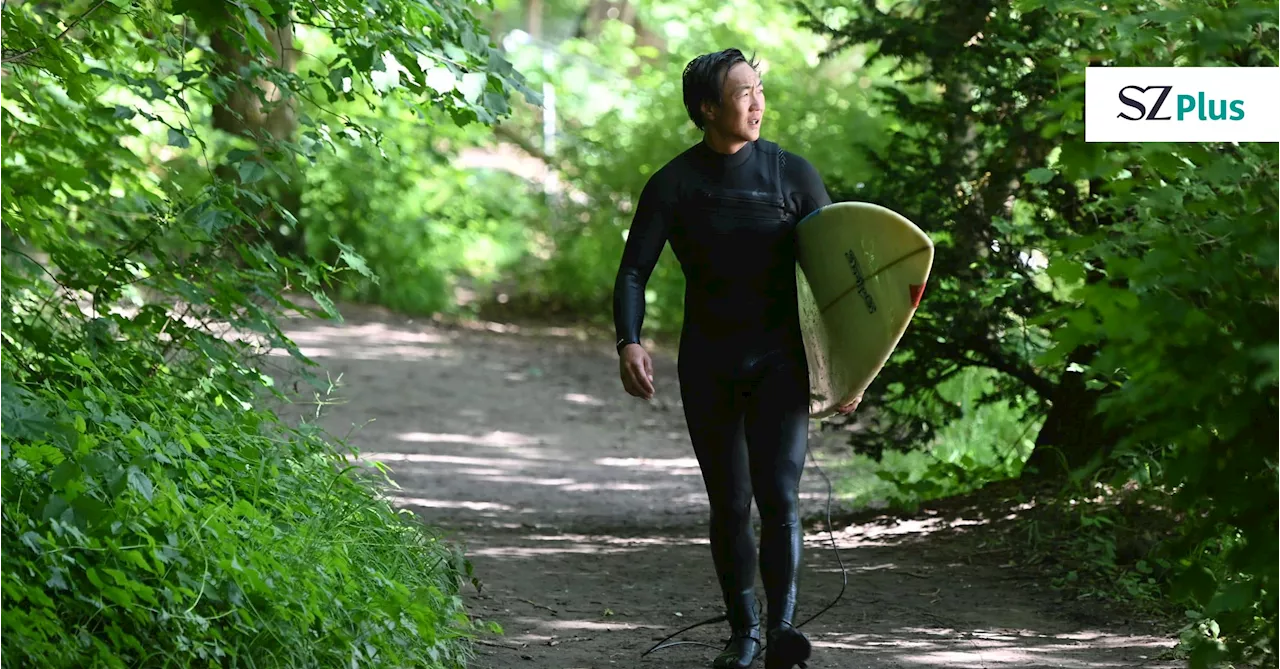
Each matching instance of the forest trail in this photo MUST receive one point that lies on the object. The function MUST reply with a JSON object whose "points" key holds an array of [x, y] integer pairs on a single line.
{"points": [[582, 510]]}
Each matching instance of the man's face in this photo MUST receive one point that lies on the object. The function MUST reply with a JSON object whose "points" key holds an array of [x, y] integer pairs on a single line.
{"points": [[742, 105]]}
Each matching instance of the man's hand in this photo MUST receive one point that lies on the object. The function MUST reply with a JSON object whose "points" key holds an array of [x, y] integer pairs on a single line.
{"points": [[636, 370], [853, 404]]}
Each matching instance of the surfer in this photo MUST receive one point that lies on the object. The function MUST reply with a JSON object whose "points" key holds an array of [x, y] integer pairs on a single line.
{"points": [[728, 206]]}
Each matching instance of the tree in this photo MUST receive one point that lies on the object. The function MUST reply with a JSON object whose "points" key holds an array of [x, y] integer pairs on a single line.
{"points": [[145, 486]]}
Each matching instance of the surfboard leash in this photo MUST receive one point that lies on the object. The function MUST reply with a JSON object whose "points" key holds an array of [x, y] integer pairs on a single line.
{"points": [[844, 582]]}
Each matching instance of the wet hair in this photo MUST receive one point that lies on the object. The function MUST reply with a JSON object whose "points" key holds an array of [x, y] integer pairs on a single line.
{"points": [[704, 80]]}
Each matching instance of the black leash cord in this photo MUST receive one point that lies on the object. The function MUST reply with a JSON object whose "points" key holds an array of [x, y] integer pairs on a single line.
{"points": [[844, 582]]}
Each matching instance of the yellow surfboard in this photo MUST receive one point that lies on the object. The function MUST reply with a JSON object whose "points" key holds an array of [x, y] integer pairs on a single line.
{"points": [[861, 274]]}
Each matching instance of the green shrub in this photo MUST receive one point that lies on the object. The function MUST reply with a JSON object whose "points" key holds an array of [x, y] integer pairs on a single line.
{"points": [[155, 512], [987, 439], [422, 222], [154, 520]]}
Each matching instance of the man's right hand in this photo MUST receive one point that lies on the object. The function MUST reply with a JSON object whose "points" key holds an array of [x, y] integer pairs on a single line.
{"points": [[636, 370]]}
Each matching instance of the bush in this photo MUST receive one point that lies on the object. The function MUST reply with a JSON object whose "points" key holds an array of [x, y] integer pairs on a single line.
{"points": [[155, 513], [152, 519]]}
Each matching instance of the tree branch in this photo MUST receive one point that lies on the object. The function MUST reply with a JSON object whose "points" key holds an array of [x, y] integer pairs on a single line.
{"points": [[23, 54], [999, 361]]}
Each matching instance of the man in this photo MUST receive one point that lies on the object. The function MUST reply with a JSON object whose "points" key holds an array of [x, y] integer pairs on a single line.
{"points": [[729, 206]]}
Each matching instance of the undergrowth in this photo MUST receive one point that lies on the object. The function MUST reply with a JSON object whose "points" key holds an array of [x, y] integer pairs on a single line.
{"points": [[156, 521], [153, 516]]}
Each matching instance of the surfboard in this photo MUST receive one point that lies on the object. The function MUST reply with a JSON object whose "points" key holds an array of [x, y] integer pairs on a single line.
{"points": [[861, 271]]}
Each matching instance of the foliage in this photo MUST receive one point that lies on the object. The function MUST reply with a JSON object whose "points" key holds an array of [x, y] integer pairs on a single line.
{"points": [[152, 514], [151, 519], [1130, 287], [1184, 301], [620, 118], [424, 224], [965, 108], [989, 442]]}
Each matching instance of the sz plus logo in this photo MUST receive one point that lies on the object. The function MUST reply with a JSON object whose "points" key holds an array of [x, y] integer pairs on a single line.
{"points": [[1137, 99], [1181, 104]]}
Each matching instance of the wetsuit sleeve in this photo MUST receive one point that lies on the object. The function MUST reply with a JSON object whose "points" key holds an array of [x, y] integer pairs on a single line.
{"points": [[645, 240], [806, 185]]}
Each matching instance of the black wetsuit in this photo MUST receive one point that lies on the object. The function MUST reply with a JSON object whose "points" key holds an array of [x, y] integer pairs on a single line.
{"points": [[743, 374]]}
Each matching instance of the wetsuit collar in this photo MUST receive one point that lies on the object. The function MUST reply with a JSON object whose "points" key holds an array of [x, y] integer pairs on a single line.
{"points": [[723, 160]]}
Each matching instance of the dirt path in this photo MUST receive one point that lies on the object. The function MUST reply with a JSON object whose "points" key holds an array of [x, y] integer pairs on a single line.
{"points": [[591, 544]]}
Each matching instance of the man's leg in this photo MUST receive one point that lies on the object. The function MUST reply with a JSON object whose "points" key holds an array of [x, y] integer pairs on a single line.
{"points": [[777, 432], [713, 410]]}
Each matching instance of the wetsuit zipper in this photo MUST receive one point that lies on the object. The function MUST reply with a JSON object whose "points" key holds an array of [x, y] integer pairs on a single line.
{"points": [[760, 197]]}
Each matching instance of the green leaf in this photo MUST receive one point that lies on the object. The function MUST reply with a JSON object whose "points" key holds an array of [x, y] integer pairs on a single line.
{"points": [[32, 540], [178, 138], [251, 171], [262, 7], [327, 305], [140, 483], [54, 507], [1207, 653], [1041, 175], [24, 419], [212, 221], [63, 473], [1235, 597], [1196, 584], [354, 260]]}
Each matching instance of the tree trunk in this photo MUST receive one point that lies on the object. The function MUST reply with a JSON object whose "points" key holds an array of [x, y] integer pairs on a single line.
{"points": [[258, 110], [1074, 434], [533, 18]]}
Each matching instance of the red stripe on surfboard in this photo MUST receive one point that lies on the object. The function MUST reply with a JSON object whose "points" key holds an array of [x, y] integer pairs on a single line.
{"points": [[917, 292]]}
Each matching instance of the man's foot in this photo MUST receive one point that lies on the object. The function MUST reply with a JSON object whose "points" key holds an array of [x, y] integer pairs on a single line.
{"points": [[741, 650], [787, 648]]}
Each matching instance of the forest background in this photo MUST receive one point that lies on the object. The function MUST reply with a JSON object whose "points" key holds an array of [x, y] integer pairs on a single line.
{"points": [[1101, 327]]}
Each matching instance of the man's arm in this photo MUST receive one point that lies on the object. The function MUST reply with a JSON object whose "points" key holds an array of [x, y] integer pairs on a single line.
{"points": [[648, 235], [806, 185]]}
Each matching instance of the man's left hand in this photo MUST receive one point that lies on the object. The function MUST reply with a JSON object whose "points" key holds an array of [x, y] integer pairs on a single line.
{"points": [[848, 408]]}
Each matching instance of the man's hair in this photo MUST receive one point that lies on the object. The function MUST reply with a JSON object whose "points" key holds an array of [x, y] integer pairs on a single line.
{"points": [[704, 80]]}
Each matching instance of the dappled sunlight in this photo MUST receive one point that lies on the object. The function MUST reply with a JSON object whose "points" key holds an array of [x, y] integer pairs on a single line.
{"points": [[368, 341], [543, 545], [579, 398], [620, 486], [585, 536], [880, 534], [591, 625], [455, 504], [482, 473], [497, 438], [529, 480], [364, 352], [671, 466], [978, 648], [578, 603], [513, 443], [544, 551], [448, 459], [648, 540], [375, 333]]}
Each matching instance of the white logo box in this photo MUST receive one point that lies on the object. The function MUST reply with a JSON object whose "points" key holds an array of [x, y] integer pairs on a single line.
{"points": [[1182, 104]]}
